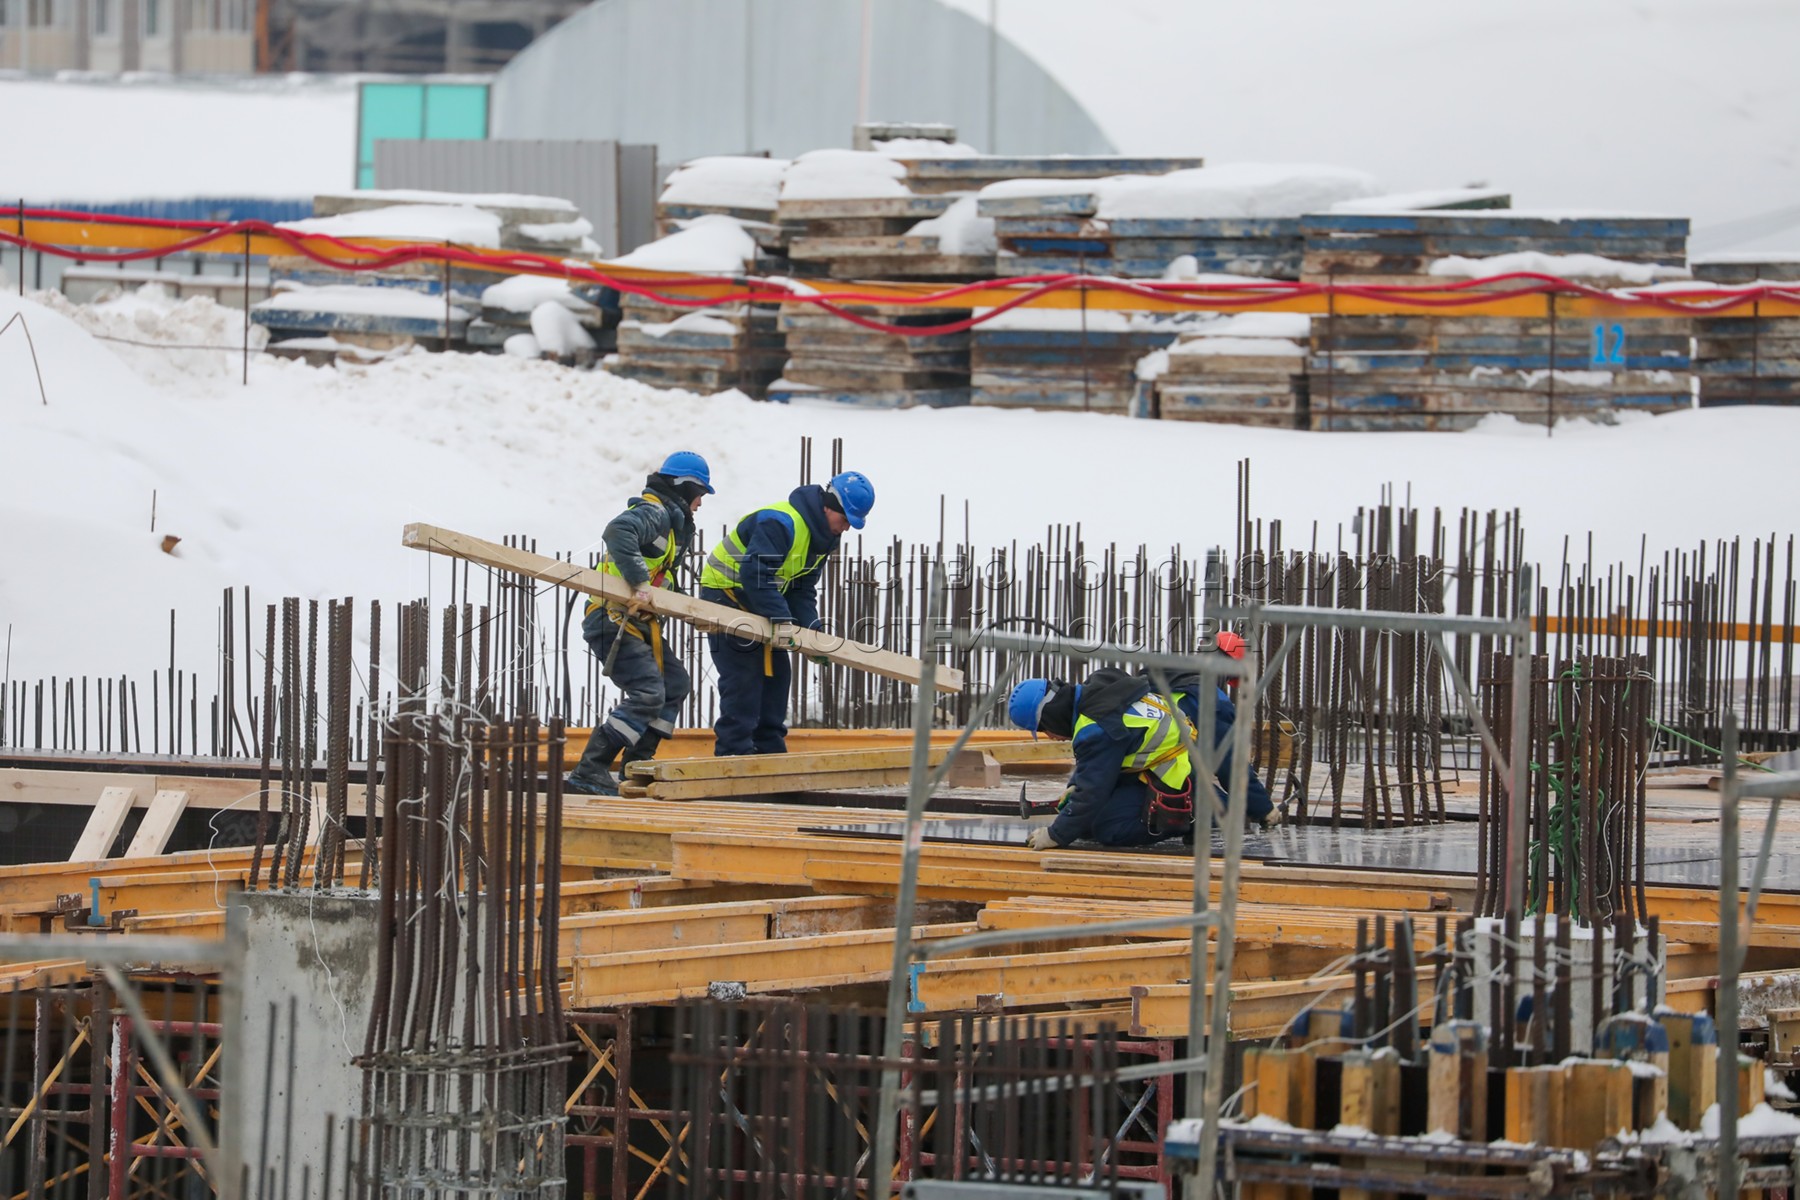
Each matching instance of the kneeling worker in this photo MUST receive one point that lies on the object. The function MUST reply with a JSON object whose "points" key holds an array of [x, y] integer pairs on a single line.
{"points": [[1133, 782], [768, 564], [643, 546]]}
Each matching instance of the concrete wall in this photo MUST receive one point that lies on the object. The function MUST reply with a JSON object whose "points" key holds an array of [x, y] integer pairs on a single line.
{"points": [[311, 955], [727, 76]]}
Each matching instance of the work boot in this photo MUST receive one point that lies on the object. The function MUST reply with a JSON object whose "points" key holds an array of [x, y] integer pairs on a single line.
{"points": [[644, 751], [592, 776]]}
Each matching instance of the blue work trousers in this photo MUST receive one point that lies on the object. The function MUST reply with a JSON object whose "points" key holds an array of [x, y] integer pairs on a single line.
{"points": [[753, 696], [652, 694]]}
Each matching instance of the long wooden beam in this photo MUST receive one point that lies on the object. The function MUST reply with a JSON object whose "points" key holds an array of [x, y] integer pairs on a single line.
{"points": [[702, 614]]}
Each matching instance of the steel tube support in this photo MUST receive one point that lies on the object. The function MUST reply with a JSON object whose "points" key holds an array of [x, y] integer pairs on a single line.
{"points": [[924, 699], [1518, 771], [1730, 962], [1219, 1010]]}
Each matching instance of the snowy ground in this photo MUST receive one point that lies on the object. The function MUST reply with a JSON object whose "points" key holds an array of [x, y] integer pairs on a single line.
{"points": [[300, 482]]}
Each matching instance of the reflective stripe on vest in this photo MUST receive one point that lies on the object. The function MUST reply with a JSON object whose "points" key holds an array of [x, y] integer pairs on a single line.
{"points": [[658, 564], [1159, 751], [725, 565]]}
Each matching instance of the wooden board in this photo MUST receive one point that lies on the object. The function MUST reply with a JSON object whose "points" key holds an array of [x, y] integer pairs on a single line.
{"points": [[700, 613], [104, 824], [152, 835]]}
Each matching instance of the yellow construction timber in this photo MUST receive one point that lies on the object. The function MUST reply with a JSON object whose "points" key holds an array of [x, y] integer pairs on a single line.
{"points": [[702, 614]]}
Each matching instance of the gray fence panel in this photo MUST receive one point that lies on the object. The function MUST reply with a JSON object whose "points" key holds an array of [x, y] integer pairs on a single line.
{"points": [[614, 186]]}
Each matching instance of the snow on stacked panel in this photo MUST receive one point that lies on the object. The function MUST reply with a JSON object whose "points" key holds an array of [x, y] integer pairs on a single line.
{"points": [[407, 303], [1243, 369], [1066, 358], [1750, 359], [1448, 371]]}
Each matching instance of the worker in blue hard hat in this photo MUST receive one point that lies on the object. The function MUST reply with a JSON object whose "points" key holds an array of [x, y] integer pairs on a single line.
{"points": [[768, 564], [1134, 780], [644, 547]]}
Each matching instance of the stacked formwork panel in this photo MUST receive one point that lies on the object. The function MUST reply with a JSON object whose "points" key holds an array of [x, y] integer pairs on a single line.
{"points": [[1448, 371], [1068, 359], [1750, 359], [1245, 369], [702, 350]]}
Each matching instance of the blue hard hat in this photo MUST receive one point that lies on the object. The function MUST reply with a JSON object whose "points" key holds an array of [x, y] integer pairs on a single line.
{"points": [[855, 495], [1027, 702], [684, 465]]}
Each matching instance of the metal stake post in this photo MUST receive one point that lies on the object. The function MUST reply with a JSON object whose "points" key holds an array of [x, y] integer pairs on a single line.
{"points": [[1519, 764]]}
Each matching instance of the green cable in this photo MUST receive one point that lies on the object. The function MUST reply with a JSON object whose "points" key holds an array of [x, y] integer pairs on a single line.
{"points": [[1676, 733]]}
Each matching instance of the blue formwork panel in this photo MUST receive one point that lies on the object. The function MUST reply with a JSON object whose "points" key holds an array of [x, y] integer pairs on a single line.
{"points": [[198, 208], [301, 321], [934, 398], [1271, 265], [1061, 399], [462, 290]]}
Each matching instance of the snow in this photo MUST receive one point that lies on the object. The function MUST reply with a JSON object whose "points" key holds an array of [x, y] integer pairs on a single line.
{"points": [[959, 230], [577, 230], [1762, 1121], [1563, 266], [1268, 347], [1231, 190], [699, 321], [710, 244], [361, 301], [299, 483], [843, 175], [1435, 198], [1748, 256], [156, 138], [1664, 1132], [473, 199], [915, 148], [727, 181], [1775, 1087], [523, 293], [557, 331], [409, 223], [522, 345]]}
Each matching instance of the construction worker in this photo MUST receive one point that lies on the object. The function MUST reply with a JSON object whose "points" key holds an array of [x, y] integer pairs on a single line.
{"points": [[1133, 782], [768, 564], [1185, 687], [644, 544]]}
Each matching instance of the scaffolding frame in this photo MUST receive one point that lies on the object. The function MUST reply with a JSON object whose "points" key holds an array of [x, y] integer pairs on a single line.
{"points": [[1204, 1072]]}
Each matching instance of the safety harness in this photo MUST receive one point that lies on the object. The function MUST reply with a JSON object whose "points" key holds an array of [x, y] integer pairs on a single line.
{"points": [[659, 567]]}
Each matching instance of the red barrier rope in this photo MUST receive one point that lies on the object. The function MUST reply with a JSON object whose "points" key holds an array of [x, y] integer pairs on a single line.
{"points": [[1697, 300]]}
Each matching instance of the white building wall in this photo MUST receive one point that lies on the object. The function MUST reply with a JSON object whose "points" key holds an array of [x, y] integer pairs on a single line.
{"points": [[723, 76]]}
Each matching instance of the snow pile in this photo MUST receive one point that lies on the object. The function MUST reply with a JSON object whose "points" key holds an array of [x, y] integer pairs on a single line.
{"points": [[843, 175], [1240, 346], [1664, 1132], [1762, 1121], [1776, 1088], [524, 293], [710, 244], [558, 332], [1200, 193], [1563, 266], [959, 230], [362, 301], [726, 181], [522, 345], [694, 322], [163, 340], [576, 234], [461, 223]]}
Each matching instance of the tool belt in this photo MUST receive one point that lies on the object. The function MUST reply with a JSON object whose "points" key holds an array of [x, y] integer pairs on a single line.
{"points": [[645, 628], [1167, 813]]}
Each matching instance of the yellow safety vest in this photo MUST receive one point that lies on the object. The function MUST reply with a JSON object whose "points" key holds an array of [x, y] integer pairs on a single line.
{"points": [[659, 567], [725, 565], [1159, 752]]}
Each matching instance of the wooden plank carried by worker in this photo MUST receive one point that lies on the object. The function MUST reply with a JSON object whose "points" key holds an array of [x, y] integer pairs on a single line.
{"points": [[153, 833], [703, 614], [104, 824]]}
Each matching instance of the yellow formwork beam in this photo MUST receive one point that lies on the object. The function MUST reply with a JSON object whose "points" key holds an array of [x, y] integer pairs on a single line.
{"points": [[1389, 300], [666, 975]]}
